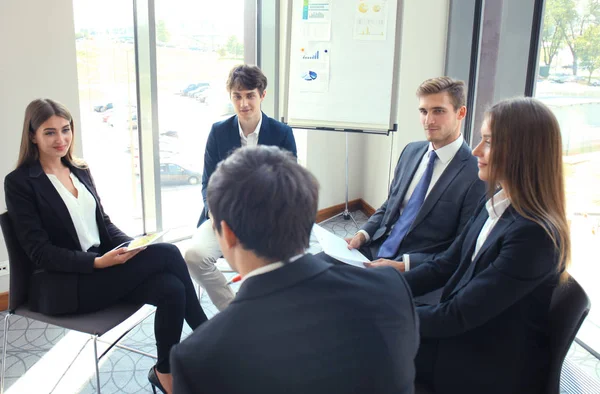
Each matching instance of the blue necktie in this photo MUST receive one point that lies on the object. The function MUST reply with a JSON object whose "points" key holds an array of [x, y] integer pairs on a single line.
{"points": [[390, 247]]}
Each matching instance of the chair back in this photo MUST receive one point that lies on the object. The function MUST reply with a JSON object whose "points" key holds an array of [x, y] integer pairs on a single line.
{"points": [[568, 308], [20, 265]]}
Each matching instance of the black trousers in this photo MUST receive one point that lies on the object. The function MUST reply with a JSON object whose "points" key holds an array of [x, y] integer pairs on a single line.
{"points": [[157, 276]]}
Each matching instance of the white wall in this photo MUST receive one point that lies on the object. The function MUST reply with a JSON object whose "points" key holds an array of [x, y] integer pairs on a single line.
{"points": [[37, 41]]}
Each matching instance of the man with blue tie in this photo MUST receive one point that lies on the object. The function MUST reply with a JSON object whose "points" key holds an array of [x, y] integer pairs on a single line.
{"points": [[435, 188], [248, 127]]}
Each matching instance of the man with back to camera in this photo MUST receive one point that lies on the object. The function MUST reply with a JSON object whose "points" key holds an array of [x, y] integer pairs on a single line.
{"points": [[249, 127], [297, 324], [435, 187]]}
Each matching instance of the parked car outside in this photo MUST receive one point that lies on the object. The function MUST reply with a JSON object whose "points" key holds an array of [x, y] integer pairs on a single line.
{"points": [[103, 107], [175, 174], [192, 87]]}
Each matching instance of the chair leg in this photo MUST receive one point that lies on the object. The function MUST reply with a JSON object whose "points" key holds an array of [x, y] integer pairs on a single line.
{"points": [[6, 324], [96, 363]]}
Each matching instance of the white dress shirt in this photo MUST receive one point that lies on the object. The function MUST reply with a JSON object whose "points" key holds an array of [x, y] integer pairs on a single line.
{"points": [[82, 210], [445, 155], [252, 138], [495, 207], [269, 267]]}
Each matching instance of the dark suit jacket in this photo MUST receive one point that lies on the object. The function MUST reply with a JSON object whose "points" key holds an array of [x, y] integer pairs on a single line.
{"points": [[444, 213], [307, 327], [224, 138], [47, 234], [491, 323]]}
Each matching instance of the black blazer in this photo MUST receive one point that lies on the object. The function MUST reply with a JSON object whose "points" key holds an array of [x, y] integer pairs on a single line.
{"points": [[307, 327], [46, 232], [224, 138], [491, 323], [444, 213]]}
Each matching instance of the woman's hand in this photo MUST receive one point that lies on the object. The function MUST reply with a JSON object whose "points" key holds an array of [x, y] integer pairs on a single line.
{"points": [[115, 257]]}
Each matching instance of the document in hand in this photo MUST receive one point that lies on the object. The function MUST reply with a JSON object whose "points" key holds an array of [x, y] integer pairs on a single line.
{"points": [[337, 247], [142, 242]]}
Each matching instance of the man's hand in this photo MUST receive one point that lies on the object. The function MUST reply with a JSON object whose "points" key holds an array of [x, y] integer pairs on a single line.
{"points": [[115, 257], [357, 241], [399, 265]]}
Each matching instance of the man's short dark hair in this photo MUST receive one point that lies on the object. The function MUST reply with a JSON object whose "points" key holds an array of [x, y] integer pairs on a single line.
{"points": [[267, 199], [246, 77]]}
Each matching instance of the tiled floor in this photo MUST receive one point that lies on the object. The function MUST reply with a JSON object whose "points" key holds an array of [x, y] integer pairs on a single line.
{"points": [[40, 354]]}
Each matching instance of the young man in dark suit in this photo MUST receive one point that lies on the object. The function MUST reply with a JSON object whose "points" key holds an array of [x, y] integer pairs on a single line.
{"points": [[249, 127], [297, 324], [435, 187]]}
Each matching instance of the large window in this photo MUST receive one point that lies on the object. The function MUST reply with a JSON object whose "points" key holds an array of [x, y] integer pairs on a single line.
{"points": [[569, 82], [197, 42], [107, 93]]}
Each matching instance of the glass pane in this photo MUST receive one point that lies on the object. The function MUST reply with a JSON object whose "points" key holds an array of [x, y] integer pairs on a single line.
{"points": [[197, 44], [107, 94], [569, 84]]}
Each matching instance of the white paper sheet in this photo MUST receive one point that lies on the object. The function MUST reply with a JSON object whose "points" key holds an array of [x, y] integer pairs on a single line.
{"points": [[370, 21], [337, 247]]}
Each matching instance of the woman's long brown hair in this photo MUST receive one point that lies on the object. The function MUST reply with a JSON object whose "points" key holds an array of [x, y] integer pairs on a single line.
{"points": [[526, 157], [36, 113]]}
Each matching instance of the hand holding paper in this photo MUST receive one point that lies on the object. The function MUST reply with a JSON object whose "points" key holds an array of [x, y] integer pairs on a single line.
{"points": [[337, 247]]}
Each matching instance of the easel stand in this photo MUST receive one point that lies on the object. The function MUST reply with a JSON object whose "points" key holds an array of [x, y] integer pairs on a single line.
{"points": [[346, 213]]}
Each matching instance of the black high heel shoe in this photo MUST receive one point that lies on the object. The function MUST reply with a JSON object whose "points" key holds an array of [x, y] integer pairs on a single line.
{"points": [[153, 379]]}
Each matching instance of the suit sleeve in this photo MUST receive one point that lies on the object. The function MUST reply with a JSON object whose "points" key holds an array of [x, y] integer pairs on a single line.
{"points": [[289, 143], [435, 273], [527, 257], [116, 235], [474, 196], [180, 378], [375, 220], [211, 159], [33, 237]]}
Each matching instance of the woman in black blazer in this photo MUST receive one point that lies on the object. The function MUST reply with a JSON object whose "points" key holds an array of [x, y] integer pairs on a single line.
{"points": [[489, 332], [61, 225]]}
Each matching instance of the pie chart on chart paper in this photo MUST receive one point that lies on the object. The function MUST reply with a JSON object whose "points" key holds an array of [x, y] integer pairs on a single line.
{"points": [[309, 76]]}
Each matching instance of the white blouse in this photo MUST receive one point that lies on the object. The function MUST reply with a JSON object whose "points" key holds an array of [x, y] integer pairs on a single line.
{"points": [[495, 211], [82, 210]]}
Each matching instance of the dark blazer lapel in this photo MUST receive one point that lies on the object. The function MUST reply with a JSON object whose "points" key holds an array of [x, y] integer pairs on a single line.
{"points": [[234, 134], [264, 134], [500, 228], [85, 179], [454, 167], [405, 180], [47, 190], [261, 285]]}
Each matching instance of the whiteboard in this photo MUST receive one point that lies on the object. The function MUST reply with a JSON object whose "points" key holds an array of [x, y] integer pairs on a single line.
{"points": [[355, 71]]}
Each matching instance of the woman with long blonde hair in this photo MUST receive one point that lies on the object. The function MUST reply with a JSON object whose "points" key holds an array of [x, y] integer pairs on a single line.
{"points": [[489, 332], [78, 266]]}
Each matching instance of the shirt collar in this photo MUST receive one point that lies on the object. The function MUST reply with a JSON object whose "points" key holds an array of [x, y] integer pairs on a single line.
{"points": [[269, 267], [256, 130], [497, 205], [446, 153]]}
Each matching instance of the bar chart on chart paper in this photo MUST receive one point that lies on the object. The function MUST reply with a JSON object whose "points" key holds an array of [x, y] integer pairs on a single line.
{"points": [[314, 56]]}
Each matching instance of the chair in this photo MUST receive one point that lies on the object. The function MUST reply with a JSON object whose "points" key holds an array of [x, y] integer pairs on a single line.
{"points": [[568, 309], [96, 324]]}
